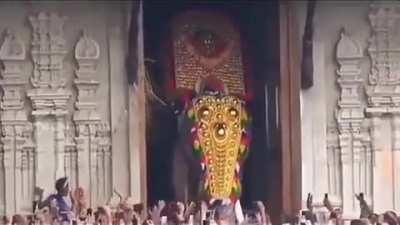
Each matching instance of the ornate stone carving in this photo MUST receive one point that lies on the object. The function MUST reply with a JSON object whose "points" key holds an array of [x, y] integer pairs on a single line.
{"points": [[384, 99], [87, 53], [334, 162], [349, 55], [2, 184], [12, 48], [93, 136], [49, 95], [396, 156], [94, 158], [16, 130], [48, 50], [353, 135], [87, 49], [384, 92], [41, 136], [71, 154], [368, 138], [12, 54]]}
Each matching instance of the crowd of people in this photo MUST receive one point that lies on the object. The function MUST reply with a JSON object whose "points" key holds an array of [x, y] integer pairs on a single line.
{"points": [[64, 208]]}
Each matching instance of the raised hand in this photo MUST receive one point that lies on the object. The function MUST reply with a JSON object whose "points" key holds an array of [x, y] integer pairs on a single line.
{"points": [[327, 203], [190, 209], [203, 210], [365, 209], [180, 211], [261, 208], [38, 192], [155, 212], [310, 202], [161, 205]]}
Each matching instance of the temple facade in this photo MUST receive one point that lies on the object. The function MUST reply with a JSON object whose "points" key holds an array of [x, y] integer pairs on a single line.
{"points": [[67, 108], [64, 105], [350, 123]]}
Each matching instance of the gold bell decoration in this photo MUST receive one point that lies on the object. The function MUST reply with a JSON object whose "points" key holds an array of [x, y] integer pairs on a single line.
{"points": [[220, 129]]}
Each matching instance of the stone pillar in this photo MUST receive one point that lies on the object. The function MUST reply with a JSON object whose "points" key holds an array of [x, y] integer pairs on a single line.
{"points": [[2, 184], [345, 143], [350, 115], [396, 159], [93, 164], [383, 100], [334, 165], [60, 147], [16, 130], [49, 96], [9, 166], [82, 144], [89, 124], [71, 155], [382, 167], [119, 110], [137, 121], [45, 155]]}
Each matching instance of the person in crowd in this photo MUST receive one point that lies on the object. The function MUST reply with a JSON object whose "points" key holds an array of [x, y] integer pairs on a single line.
{"points": [[225, 214], [80, 203], [364, 207], [19, 219], [4, 220], [103, 216], [61, 202]]}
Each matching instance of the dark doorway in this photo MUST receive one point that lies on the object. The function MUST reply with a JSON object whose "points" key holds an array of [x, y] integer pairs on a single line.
{"points": [[258, 23]]}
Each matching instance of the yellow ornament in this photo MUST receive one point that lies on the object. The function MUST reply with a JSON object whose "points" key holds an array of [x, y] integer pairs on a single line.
{"points": [[219, 117]]}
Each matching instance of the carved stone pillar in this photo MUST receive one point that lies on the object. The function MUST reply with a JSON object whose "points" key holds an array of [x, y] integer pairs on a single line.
{"points": [[82, 145], [345, 143], [104, 161], [25, 167], [91, 129], [93, 164], [396, 159], [365, 163], [7, 134], [49, 96], [16, 129], [45, 151], [382, 164], [2, 184], [358, 163], [71, 155], [350, 116], [60, 147], [384, 101], [334, 165]]}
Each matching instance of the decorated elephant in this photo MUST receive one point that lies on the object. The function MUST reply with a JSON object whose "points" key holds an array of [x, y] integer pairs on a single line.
{"points": [[212, 145]]}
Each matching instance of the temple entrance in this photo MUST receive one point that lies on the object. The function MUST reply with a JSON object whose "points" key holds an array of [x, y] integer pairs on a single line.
{"points": [[258, 27]]}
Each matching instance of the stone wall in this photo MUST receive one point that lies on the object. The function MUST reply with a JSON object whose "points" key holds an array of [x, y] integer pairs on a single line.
{"points": [[64, 102], [350, 119]]}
